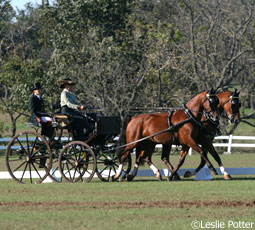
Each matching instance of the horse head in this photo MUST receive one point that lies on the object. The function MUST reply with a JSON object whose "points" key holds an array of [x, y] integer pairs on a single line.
{"points": [[210, 105], [231, 106]]}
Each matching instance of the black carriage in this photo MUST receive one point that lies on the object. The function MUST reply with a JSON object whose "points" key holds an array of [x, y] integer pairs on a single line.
{"points": [[31, 157]]}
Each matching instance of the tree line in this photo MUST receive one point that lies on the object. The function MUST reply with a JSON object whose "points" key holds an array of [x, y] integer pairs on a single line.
{"points": [[126, 55]]}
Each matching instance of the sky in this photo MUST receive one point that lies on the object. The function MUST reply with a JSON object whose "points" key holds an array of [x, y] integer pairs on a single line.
{"points": [[20, 4]]}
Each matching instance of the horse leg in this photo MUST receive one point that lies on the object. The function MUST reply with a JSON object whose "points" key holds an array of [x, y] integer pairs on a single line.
{"points": [[183, 155], [166, 149], [215, 155], [194, 146], [201, 165], [122, 160], [131, 176], [153, 168], [140, 152]]}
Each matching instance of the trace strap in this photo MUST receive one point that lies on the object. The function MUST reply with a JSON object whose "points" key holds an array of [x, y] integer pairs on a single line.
{"points": [[153, 135]]}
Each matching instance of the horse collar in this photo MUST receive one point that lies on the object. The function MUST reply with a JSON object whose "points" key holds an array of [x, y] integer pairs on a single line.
{"points": [[191, 116]]}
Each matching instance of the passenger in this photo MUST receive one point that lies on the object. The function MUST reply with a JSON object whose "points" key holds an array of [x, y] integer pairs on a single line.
{"points": [[71, 107], [38, 115]]}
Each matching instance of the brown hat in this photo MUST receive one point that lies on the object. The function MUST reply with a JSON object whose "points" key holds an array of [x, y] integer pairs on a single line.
{"points": [[66, 81]]}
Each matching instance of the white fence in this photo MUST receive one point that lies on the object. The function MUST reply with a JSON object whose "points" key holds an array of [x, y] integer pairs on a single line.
{"points": [[204, 174], [231, 143]]}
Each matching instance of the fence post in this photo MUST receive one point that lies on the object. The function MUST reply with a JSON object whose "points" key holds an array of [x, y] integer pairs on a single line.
{"points": [[230, 138]]}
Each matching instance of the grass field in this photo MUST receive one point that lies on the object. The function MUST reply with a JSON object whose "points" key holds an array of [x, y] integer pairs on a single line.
{"points": [[142, 204]]}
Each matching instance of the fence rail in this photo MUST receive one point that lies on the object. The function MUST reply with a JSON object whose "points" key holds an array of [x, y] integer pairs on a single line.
{"points": [[228, 145], [203, 174], [231, 143]]}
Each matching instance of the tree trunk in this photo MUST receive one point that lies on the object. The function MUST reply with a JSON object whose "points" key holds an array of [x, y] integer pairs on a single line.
{"points": [[13, 124]]}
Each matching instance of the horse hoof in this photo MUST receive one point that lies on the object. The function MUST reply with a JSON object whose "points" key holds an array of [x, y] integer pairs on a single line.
{"points": [[214, 172], [176, 177], [227, 177], [159, 177], [130, 178], [187, 174], [169, 178], [114, 179], [122, 179]]}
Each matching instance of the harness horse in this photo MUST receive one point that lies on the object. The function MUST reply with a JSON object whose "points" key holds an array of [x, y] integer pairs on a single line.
{"points": [[229, 104], [146, 130]]}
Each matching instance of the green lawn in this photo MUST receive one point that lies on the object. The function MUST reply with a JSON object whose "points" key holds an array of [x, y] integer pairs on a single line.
{"points": [[142, 204]]}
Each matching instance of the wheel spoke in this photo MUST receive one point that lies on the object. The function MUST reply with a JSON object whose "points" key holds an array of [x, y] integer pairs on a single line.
{"points": [[33, 147], [109, 174], [19, 166], [80, 174], [24, 172], [30, 173], [22, 146], [102, 170], [27, 144], [36, 170], [114, 169]]}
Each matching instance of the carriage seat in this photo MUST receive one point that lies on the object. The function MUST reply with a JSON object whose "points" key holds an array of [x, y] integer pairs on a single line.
{"points": [[58, 118], [61, 119]]}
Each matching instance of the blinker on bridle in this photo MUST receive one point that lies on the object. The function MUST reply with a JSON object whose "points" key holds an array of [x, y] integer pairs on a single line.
{"points": [[213, 100], [234, 100]]}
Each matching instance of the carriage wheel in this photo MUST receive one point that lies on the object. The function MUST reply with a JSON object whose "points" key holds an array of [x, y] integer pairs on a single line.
{"points": [[107, 165], [77, 162], [28, 157]]}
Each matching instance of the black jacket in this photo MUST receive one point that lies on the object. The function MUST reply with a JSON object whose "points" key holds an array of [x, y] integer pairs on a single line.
{"points": [[36, 107]]}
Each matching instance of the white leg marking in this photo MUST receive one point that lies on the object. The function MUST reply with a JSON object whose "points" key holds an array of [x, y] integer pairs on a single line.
{"points": [[119, 170], [222, 169], [154, 169]]}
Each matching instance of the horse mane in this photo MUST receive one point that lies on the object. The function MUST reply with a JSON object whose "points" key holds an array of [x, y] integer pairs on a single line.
{"points": [[194, 96], [234, 93]]}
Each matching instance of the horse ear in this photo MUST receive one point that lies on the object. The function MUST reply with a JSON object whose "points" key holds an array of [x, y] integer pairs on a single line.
{"points": [[236, 92], [217, 89]]}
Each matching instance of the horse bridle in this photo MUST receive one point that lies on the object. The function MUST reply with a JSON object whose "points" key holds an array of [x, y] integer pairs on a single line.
{"points": [[209, 115], [233, 100]]}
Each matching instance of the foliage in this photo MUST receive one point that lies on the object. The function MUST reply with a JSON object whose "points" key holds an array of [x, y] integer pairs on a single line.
{"points": [[127, 54]]}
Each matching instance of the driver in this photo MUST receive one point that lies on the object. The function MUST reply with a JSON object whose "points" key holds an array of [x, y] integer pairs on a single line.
{"points": [[71, 107]]}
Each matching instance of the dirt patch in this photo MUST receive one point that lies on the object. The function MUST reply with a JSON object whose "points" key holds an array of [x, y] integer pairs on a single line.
{"points": [[131, 205]]}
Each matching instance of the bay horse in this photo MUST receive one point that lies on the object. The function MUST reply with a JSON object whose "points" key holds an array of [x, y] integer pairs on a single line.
{"points": [[185, 123], [229, 104]]}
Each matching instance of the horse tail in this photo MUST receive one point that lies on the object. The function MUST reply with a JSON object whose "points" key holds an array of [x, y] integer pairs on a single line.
{"points": [[122, 139]]}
